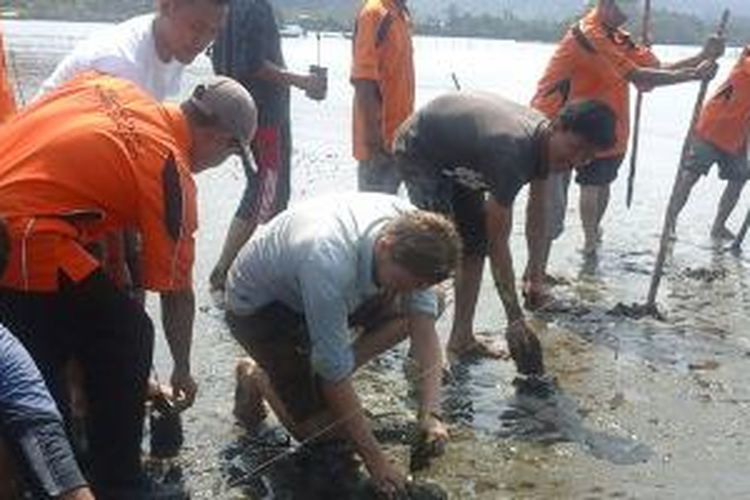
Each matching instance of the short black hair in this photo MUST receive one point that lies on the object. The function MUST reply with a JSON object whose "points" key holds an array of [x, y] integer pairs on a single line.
{"points": [[593, 120]]}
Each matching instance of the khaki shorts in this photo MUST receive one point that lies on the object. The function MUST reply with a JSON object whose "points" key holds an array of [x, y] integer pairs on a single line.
{"points": [[276, 337]]}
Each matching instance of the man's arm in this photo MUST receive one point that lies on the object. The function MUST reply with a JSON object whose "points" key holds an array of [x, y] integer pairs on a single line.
{"points": [[523, 344], [367, 97], [657, 77], [346, 409], [499, 225], [429, 357], [332, 356], [276, 74], [712, 49], [536, 231], [178, 315]]}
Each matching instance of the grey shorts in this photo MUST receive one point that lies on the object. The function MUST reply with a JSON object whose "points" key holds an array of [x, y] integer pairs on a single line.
{"points": [[701, 155], [599, 172]]}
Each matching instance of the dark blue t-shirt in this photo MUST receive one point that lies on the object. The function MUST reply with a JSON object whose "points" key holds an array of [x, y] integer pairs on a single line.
{"points": [[250, 37]]}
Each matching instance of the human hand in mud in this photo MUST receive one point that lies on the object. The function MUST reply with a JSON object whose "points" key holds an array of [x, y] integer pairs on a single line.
{"points": [[524, 348], [184, 389], [388, 481], [536, 295], [429, 442]]}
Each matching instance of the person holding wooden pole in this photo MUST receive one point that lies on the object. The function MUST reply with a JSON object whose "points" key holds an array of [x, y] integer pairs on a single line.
{"points": [[720, 137], [696, 153], [597, 59]]}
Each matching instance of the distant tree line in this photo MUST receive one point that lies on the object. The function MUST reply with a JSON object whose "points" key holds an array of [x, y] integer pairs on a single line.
{"points": [[77, 10], [668, 27]]}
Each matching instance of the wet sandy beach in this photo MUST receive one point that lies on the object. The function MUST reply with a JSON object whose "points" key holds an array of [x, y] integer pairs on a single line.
{"points": [[642, 409]]}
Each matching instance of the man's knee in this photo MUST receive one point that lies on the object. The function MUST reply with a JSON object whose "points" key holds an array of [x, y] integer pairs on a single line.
{"points": [[686, 180]]}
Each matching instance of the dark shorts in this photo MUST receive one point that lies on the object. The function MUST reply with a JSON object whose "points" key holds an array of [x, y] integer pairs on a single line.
{"points": [[441, 194], [112, 337], [600, 172], [701, 155], [276, 337]]}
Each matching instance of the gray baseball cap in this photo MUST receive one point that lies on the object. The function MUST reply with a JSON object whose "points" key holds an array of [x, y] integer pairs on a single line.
{"points": [[230, 106]]}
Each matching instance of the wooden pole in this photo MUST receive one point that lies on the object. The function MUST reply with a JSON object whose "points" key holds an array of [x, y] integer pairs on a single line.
{"points": [[645, 29], [669, 218], [737, 243], [455, 81]]}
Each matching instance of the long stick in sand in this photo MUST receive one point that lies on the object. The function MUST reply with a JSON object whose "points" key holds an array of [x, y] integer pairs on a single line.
{"points": [[645, 40], [737, 243], [669, 218], [455, 81]]}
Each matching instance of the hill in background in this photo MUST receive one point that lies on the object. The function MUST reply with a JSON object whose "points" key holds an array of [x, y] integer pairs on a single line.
{"points": [[675, 21]]}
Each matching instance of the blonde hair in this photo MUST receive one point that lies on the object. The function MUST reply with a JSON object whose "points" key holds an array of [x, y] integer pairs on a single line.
{"points": [[424, 243]]}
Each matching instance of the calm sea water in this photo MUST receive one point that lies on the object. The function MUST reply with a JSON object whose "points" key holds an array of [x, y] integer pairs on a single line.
{"points": [[649, 410]]}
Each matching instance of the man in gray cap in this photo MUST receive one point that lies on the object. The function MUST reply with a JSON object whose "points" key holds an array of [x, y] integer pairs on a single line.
{"points": [[94, 156]]}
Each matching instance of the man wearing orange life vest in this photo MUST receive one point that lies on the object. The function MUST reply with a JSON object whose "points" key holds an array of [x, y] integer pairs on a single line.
{"points": [[597, 59], [7, 99], [95, 155], [382, 74], [721, 137]]}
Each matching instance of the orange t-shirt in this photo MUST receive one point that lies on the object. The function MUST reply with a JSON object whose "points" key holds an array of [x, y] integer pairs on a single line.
{"points": [[7, 99], [725, 119], [96, 155], [383, 53], [592, 62]]}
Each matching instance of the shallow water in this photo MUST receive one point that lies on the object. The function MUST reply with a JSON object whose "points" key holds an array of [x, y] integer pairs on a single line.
{"points": [[643, 409]]}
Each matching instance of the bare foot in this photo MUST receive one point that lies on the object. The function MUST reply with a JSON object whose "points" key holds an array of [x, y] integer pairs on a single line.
{"points": [[536, 299], [480, 346], [249, 409], [722, 233]]}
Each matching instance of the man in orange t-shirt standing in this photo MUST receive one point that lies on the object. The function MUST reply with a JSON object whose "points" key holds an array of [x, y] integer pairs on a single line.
{"points": [[597, 59], [7, 99], [721, 137], [95, 155], [383, 77]]}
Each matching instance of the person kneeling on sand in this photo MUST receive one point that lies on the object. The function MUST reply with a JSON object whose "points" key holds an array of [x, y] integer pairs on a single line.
{"points": [[365, 262]]}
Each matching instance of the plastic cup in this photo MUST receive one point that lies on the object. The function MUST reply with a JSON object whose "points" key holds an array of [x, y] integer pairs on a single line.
{"points": [[321, 72]]}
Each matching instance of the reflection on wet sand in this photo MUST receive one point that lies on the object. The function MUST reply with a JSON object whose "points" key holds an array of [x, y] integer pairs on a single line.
{"points": [[541, 412]]}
